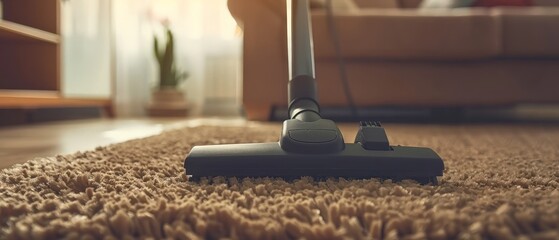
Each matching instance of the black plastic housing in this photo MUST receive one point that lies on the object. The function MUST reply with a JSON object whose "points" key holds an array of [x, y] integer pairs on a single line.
{"points": [[270, 160]]}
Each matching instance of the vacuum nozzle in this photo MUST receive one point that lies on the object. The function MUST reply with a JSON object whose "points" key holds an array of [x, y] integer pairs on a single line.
{"points": [[315, 149]]}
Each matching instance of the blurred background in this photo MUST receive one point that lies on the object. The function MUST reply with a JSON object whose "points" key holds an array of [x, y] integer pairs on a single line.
{"points": [[401, 60], [393, 60]]}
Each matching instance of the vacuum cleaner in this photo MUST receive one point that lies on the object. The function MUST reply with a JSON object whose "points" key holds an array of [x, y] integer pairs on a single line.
{"points": [[310, 145]]}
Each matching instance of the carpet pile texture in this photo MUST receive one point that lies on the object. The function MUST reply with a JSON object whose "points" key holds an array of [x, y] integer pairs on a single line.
{"points": [[500, 182]]}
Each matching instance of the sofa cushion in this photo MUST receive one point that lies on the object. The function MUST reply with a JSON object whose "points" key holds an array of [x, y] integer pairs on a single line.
{"points": [[530, 32], [410, 34]]}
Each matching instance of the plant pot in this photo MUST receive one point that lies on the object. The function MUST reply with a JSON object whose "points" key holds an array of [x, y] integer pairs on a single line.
{"points": [[167, 102]]}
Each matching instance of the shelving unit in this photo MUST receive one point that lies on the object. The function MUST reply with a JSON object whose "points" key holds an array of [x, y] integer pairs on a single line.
{"points": [[10, 31], [30, 57]]}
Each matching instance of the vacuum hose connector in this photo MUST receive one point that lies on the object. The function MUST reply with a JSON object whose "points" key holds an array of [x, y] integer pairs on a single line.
{"points": [[302, 95]]}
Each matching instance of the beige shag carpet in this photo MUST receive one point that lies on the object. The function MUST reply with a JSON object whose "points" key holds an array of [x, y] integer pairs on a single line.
{"points": [[501, 182]]}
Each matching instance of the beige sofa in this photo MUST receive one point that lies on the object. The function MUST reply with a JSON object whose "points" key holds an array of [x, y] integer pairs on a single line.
{"points": [[404, 56]]}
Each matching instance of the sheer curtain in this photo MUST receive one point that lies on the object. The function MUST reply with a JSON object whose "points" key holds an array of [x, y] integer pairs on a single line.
{"points": [[86, 49], [206, 46]]}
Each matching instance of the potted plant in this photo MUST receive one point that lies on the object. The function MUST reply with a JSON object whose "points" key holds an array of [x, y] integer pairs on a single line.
{"points": [[167, 99]]}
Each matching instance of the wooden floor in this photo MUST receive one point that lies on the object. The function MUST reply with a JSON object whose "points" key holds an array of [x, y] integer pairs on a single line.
{"points": [[21, 143]]}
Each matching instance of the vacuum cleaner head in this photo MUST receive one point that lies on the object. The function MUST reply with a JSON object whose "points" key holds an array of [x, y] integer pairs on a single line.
{"points": [[310, 145], [370, 156]]}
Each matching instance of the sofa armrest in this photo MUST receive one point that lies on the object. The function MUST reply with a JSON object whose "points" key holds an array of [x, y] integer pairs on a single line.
{"points": [[265, 71], [244, 10]]}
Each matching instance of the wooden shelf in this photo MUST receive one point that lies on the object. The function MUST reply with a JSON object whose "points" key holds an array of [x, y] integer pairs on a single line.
{"points": [[10, 31], [30, 58], [37, 99], [27, 93]]}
